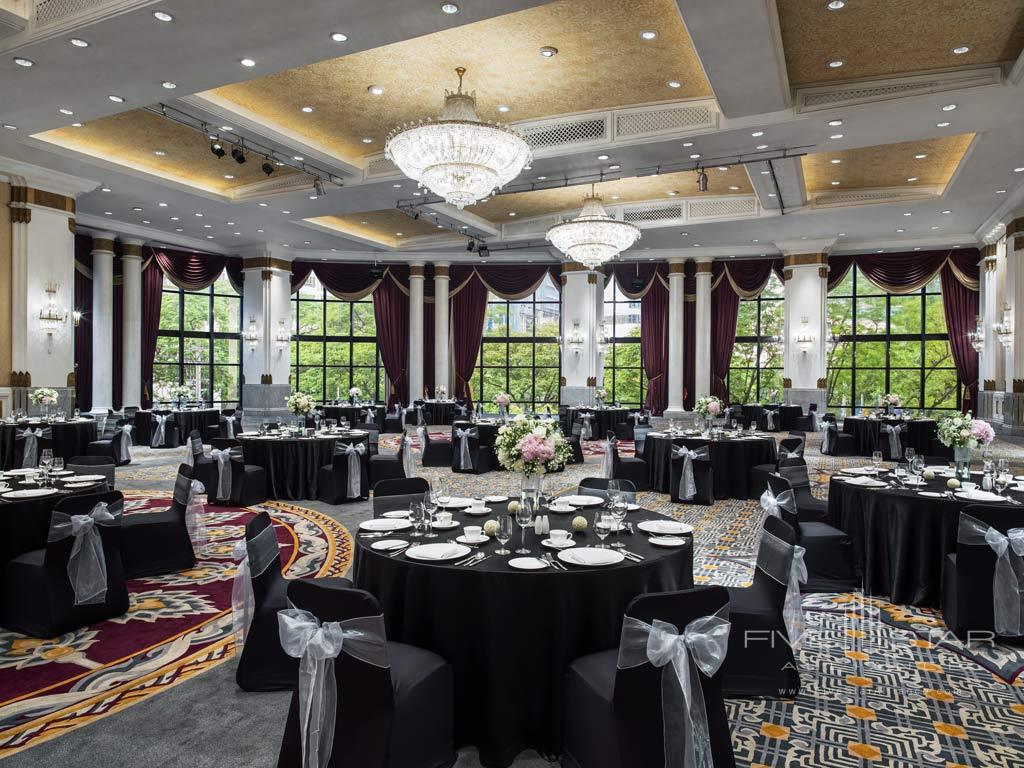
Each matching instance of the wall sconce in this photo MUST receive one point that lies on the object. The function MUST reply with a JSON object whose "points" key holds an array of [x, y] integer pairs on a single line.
{"points": [[252, 336], [977, 336], [52, 317], [575, 339], [76, 318], [804, 339], [1004, 329], [602, 339], [283, 337]]}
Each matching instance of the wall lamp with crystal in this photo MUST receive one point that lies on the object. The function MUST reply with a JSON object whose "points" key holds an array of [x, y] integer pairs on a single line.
{"points": [[51, 316], [283, 337], [602, 339], [574, 341], [804, 339], [76, 317], [977, 336], [252, 336], [1004, 329]]}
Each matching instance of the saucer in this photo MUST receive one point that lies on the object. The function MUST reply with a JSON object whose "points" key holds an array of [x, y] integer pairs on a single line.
{"points": [[666, 541], [477, 513], [552, 545], [495, 499], [467, 540], [528, 563], [446, 526], [561, 508]]}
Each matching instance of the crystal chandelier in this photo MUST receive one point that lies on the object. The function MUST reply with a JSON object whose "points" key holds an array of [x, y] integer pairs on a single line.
{"points": [[593, 237], [458, 156], [976, 338]]}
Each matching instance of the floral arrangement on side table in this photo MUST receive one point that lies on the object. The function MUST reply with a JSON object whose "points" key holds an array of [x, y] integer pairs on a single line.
{"points": [[709, 406], [889, 401], [355, 392], [532, 447], [962, 432], [43, 396], [300, 404]]}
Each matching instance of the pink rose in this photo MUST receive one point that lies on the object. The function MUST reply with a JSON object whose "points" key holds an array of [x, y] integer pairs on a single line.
{"points": [[714, 408]]}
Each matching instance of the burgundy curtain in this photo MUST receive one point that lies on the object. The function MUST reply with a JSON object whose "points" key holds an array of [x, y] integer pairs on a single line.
{"points": [[340, 278], [749, 275], [513, 280], [83, 331], [624, 274], [961, 307], [300, 271], [188, 270], [725, 306], [689, 333], [391, 311], [152, 285], [116, 391], [235, 275], [467, 310], [654, 345]]}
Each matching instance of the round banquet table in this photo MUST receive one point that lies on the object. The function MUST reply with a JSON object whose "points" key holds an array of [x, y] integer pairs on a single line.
{"points": [[353, 414], [510, 635], [731, 460], [900, 538], [292, 463], [867, 433], [439, 411], [788, 414], [70, 438], [602, 421]]}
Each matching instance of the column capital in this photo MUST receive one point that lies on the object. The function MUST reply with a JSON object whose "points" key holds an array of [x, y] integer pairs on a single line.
{"points": [[441, 269], [704, 267], [417, 271], [131, 247], [800, 247], [103, 242], [676, 267]]}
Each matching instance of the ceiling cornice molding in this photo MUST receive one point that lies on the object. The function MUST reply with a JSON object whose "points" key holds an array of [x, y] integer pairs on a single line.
{"points": [[795, 247], [151, 236], [965, 240], [37, 177]]}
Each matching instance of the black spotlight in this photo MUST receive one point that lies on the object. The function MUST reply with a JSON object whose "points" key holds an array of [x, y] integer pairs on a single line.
{"points": [[471, 246], [702, 180], [217, 148], [318, 187], [267, 167], [238, 155], [484, 250], [376, 272]]}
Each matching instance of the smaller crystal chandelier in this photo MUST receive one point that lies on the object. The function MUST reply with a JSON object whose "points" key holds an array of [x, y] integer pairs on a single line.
{"points": [[593, 237], [977, 336], [1004, 329], [458, 156], [52, 317], [804, 339]]}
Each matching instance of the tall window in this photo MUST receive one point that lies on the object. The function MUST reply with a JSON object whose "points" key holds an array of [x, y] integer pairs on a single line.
{"points": [[199, 343], [885, 343], [334, 345], [624, 375], [755, 371], [519, 353]]}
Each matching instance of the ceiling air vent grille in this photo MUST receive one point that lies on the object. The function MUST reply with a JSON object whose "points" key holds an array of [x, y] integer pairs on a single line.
{"points": [[51, 11], [380, 166], [660, 213], [716, 209], [644, 122], [828, 96], [562, 132]]}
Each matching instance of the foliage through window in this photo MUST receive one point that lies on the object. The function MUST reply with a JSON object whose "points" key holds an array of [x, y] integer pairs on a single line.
{"points": [[519, 353], [755, 371], [883, 343], [624, 375], [334, 345], [199, 342]]}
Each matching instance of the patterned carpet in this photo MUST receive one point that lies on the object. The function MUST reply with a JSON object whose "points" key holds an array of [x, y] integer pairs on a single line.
{"points": [[177, 626]]}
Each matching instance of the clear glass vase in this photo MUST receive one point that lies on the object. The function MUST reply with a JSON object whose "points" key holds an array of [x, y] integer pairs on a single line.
{"points": [[532, 486], [962, 462]]}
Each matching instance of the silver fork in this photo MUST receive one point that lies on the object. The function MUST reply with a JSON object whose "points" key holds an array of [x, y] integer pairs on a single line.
{"points": [[553, 563], [470, 559]]}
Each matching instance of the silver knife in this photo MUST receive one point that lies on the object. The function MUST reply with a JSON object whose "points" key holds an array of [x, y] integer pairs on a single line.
{"points": [[466, 560], [627, 553], [477, 561], [399, 550]]}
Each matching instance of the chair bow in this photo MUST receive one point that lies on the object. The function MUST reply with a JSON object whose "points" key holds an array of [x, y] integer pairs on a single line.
{"points": [[317, 645], [419, 416], [229, 422], [157, 438], [124, 452], [30, 453], [407, 455], [186, 493], [687, 485], [895, 449], [769, 416], [1008, 576], [815, 421], [465, 455], [587, 433], [773, 505], [223, 459], [701, 646], [607, 463], [831, 437], [355, 468], [460, 410], [87, 566], [243, 604]]}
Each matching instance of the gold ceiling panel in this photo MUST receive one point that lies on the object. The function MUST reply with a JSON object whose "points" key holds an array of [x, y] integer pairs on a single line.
{"points": [[131, 139], [876, 38], [390, 227], [546, 201], [602, 62], [888, 165]]}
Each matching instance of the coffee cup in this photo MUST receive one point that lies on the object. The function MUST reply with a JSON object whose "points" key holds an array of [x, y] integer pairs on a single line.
{"points": [[477, 505], [443, 518], [558, 536], [968, 486], [473, 532]]}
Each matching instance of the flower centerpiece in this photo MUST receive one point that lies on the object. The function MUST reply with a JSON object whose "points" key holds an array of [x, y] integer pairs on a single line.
{"points": [[889, 402], [502, 400], [45, 398], [441, 392], [532, 448], [600, 395], [353, 394], [300, 404], [773, 395], [710, 407], [179, 393], [962, 432]]}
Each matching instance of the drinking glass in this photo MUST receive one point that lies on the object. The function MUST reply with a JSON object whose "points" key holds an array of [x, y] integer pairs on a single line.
{"points": [[416, 518], [1002, 482], [734, 423], [602, 526], [503, 534], [78, 414], [1003, 467], [58, 464], [46, 459], [619, 516], [876, 461], [909, 454], [429, 508], [444, 495], [525, 519]]}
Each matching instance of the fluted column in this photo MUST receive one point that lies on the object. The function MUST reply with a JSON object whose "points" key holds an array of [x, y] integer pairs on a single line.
{"points": [[805, 280], [102, 322], [1013, 399], [415, 331], [582, 313], [702, 331], [674, 408], [441, 333], [131, 323]]}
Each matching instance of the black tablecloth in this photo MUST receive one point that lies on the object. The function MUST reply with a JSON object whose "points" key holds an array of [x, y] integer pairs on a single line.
{"points": [[69, 439], [291, 463], [867, 433], [510, 635], [731, 460], [439, 412], [603, 420], [185, 420], [900, 538], [788, 415]]}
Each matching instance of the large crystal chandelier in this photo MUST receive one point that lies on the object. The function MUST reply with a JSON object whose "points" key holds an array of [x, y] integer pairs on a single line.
{"points": [[593, 237], [458, 156]]}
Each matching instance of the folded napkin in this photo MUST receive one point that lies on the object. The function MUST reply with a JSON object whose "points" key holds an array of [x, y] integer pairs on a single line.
{"points": [[868, 482], [667, 526], [441, 554], [979, 495], [588, 557]]}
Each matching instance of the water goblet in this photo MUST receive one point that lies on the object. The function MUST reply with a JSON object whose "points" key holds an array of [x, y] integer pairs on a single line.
{"points": [[602, 527], [429, 508], [909, 454], [503, 534], [1002, 482], [876, 461], [416, 518], [444, 495], [619, 515], [524, 517]]}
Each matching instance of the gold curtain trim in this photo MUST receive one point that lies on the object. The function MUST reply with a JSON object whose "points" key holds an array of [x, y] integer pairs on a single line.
{"points": [[454, 290], [897, 290], [352, 296], [513, 296], [747, 294], [716, 283]]}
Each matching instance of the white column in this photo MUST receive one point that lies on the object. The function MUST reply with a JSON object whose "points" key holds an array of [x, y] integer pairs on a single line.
{"points": [[415, 331], [266, 305], [805, 281], [702, 331], [131, 322], [676, 321], [441, 332], [102, 322], [582, 290], [1013, 400]]}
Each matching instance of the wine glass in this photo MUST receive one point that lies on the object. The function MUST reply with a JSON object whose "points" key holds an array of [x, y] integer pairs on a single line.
{"points": [[58, 464], [524, 516], [416, 518], [46, 459], [444, 495], [503, 534], [909, 453], [602, 526], [876, 461], [429, 508], [733, 423], [619, 516]]}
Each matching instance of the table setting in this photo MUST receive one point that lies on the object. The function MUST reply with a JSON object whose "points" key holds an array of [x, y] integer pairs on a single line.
{"points": [[66, 437]]}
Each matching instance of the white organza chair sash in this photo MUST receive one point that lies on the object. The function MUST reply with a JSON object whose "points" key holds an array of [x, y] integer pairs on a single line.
{"points": [[223, 459], [687, 485], [893, 432], [829, 439], [125, 448], [157, 438], [355, 467], [773, 505], [30, 451], [1008, 577], [87, 566], [186, 493], [784, 563], [607, 465], [465, 455]]}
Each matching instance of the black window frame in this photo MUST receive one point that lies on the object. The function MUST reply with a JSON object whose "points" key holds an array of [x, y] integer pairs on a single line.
{"points": [[612, 343]]}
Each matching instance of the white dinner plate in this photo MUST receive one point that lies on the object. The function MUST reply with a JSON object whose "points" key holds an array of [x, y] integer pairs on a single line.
{"points": [[457, 502], [397, 514], [632, 507], [62, 472], [561, 508], [384, 524], [386, 545], [591, 556], [479, 540], [89, 478], [495, 499], [582, 501], [477, 512], [564, 545], [858, 471], [437, 552], [979, 495], [29, 493], [356, 433], [665, 527], [19, 472], [79, 485], [666, 541], [528, 563], [865, 482]]}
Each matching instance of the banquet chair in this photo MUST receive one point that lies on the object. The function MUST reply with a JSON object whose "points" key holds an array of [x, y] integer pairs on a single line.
{"points": [[333, 479], [393, 422], [38, 595], [761, 659], [398, 494], [789, 447], [598, 486], [155, 543], [112, 447], [433, 453], [809, 508], [373, 436], [248, 481], [613, 717], [398, 715], [836, 443], [633, 468], [763, 419], [575, 440], [389, 466], [44, 440], [479, 455], [806, 421], [204, 468], [829, 552], [172, 436], [93, 465], [967, 574], [375, 418], [130, 411], [703, 480], [263, 665]]}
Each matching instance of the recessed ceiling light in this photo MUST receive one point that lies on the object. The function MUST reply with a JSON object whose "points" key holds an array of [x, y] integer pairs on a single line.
{"points": [[286, 212], [765, 173], [367, 140], [376, 90], [105, 189], [1000, 191], [836, 161], [541, 178], [65, 111], [162, 205], [169, 85], [948, 107], [602, 157], [115, 98], [836, 183], [614, 167], [398, 234], [21, 61], [911, 178], [108, 213], [229, 176], [695, 155], [397, 186], [136, 208], [511, 213], [841, 234], [696, 245], [200, 214], [615, 197], [207, 226], [757, 134], [236, 233], [961, 49], [1019, 170], [175, 218], [146, 221], [648, 34], [307, 110], [160, 152], [672, 193], [836, 136], [734, 188], [504, 108], [209, 237], [835, 5], [10, 127], [835, 123], [226, 128], [935, 227], [231, 223], [305, 242], [450, 8], [880, 250], [761, 146], [162, 16], [684, 234], [674, 84], [771, 194], [247, 62], [260, 231], [920, 156], [178, 229], [835, 63], [917, 247], [263, 205], [723, 167], [548, 51], [338, 37], [755, 240], [901, 231], [78, 42], [687, 143], [947, 212], [942, 125], [76, 125], [907, 213]]}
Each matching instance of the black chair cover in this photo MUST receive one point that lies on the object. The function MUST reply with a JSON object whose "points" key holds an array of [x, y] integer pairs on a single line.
{"points": [[434, 453], [94, 465], [385, 467], [333, 479], [158, 542], [633, 468], [703, 478], [479, 455], [395, 494]]}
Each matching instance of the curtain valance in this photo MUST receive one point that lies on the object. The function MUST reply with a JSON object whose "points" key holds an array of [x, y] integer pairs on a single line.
{"points": [[625, 273], [345, 281], [507, 281], [193, 271], [746, 277], [908, 271]]}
